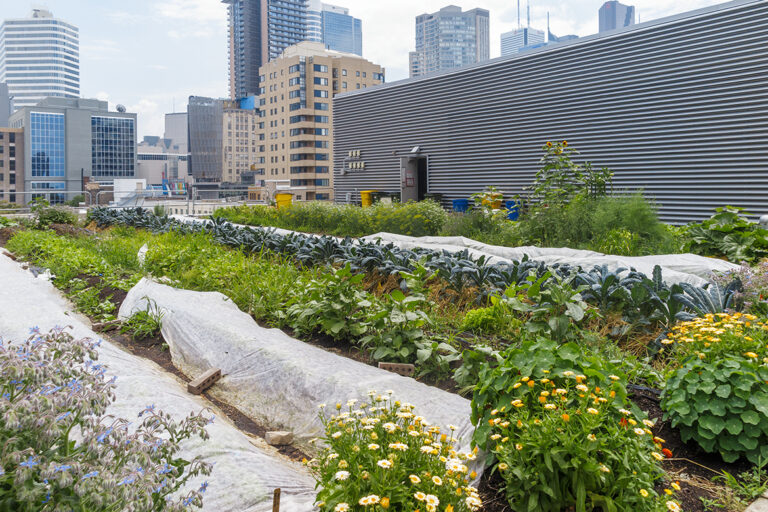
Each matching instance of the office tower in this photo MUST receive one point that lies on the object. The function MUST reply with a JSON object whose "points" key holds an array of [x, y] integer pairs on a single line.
{"points": [[259, 30], [518, 39], [160, 164], [205, 118], [450, 39], [240, 140], [615, 15], [11, 165], [67, 139], [335, 28], [296, 126], [39, 58]]}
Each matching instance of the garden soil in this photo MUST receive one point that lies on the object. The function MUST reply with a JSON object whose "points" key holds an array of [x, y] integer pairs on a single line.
{"points": [[244, 475]]}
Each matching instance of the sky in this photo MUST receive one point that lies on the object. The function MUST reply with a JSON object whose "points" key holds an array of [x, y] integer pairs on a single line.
{"points": [[151, 55]]}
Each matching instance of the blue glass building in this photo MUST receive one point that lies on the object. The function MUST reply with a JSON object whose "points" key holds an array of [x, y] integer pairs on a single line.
{"points": [[340, 31], [71, 139]]}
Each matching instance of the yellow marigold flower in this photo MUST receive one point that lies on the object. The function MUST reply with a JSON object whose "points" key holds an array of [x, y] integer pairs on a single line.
{"points": [[593, 411], [384, 502], [531, 383], [639, 432], [614, 377], [473, 475], [582, 388], [518, 447], [751, 355], [543, 399], [549, 406], [525, 379], [496, 436], [503, 466], [592, 437], [673, 507], [648, 423], [449, 508], [414, 479], [675, 486], [420, 496], [669, 492], [437, 480], [517, 385], [643, 493], [566, 417], [604, 468], [568, 373], [657, 456]]}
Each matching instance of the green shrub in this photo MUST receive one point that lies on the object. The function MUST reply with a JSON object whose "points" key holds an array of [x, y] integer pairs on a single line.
{"points": [[625, 225], [718, 397], [564, 441], [45, 215], [144, 324], [424, 218], [730, 234], [483, 227], [496, 319]]}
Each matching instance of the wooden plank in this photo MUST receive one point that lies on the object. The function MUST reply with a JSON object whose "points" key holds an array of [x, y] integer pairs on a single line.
{"points": [[203, 382], [276, 501], [406, 370]]}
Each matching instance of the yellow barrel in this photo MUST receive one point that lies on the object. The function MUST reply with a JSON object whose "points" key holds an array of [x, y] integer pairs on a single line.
{"points": [[283, 200], [366, 197]]}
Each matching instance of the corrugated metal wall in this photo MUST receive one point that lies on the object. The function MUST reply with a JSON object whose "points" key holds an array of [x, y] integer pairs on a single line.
{"points": [[677, 107]]}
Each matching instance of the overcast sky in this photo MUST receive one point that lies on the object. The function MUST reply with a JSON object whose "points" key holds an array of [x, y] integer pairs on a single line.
{"points": [[150, 54]]}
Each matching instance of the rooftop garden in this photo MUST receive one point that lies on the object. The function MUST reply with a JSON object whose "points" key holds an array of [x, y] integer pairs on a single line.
{"points": [[595, 389]]}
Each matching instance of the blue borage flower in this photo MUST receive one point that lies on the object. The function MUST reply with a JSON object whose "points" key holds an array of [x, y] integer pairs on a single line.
{"points": [[127, 480], [92, 474], [148, 410], [203, 487], [30, 462]]}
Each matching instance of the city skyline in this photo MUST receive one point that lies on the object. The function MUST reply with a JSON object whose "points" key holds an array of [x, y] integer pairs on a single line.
{"points": [[149, 56]]}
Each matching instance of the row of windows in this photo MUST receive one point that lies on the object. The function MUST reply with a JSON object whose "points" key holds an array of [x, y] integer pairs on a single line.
{"points": [[113, 146], [320, 169], [47, 144], [308, 119], [311, 183], [307, 144], [308, 131], [160, 157], [297, 157]]}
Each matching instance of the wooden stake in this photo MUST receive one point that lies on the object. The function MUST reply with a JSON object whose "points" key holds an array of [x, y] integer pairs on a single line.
{"points": [[276, 501]]}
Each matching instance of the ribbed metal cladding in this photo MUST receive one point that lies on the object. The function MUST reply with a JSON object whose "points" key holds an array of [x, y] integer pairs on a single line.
{"points": [[677, 107]]}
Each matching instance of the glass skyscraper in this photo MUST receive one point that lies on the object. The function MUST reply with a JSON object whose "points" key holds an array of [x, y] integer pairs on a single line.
{"points": [[113, 147], [39, 57], [615, 15], [335, 28], [514, 41], [450, 39]]}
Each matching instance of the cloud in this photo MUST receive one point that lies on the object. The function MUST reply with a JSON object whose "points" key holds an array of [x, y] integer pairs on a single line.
{"points": [[98, 49], [199, 11]]}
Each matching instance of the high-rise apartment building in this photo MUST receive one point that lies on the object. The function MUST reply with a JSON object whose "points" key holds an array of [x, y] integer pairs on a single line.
{"points": [[334, 27], [259, 30], [206, 120], [615, 15], [39, 58], [520, 38], [297, 118], [450, 39], [69, 139], [11, 165]]}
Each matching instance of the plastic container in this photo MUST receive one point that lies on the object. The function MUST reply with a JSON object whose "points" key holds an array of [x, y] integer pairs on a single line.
{"points": [[514, 211], [366, 197], [460, 205], [283, 200]]}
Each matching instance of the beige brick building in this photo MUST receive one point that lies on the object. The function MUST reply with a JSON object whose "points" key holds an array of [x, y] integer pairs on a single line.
{"points": [[240, 138], [297, 118], [11, 165]]}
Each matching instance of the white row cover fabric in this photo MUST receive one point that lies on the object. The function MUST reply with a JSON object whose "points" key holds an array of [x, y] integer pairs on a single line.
{"points": [[277, 380], [244, 475], [676, 268]]}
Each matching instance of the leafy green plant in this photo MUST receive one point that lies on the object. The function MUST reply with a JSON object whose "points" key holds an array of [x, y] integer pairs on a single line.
{"points": [[555, 310], [380, 455], [717, 396], [534, 357], [730, 234], [330, 304], [565, 440], [144, 324], [497, 319], [45, 214]]}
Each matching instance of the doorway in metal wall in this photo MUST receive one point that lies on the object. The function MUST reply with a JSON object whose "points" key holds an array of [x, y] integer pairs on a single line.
{"points": [[414, 177]]}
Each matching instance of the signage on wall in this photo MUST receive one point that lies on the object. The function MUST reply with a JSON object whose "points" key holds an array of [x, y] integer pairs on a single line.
{"points": [[354, 161]]}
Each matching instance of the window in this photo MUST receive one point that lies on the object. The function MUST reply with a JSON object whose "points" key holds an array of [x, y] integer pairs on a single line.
{"points": [[321, 131], [319, 105], [343, 85], [294, 69], [47, 144], [321, 169], [295, 106], [357, 73], [113, 143], [365, 74], [320, 93], [295, 94], [11, 138], [49, 185], [358, 85], [322, 183], [12, 165], [321, 156], [321, 119], [320, 68], [321, 81], [12, 177], [294, 81], [343, 72], [379, 77]]}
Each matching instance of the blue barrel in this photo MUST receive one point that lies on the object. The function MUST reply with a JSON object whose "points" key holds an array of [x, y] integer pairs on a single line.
{"points": [[460, 205], [514, 211]]}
